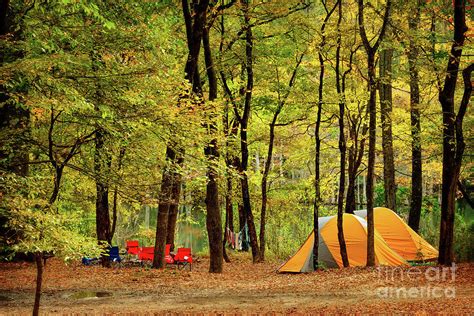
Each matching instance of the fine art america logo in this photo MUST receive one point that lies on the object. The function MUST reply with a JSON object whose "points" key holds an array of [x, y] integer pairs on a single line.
{"points": [[434, 282]]}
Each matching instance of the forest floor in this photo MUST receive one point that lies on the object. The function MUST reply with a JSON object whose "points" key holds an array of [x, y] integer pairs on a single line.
{"points": [[242, 288]]}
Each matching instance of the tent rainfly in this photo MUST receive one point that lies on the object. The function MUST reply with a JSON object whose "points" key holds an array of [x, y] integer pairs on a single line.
{"points": [[355, 235], [399, 236]]}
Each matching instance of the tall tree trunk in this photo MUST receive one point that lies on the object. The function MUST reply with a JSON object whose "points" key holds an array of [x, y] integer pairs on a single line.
{"points": [[342, 145], [453, 139], [372, 109], [101, 169], [266, 170], [213, 216], [371, 162], [163, 210], [247, 207], [385, 70], [416, 166], [173, 208], [194, 28], [317, 137], [39, 282]]}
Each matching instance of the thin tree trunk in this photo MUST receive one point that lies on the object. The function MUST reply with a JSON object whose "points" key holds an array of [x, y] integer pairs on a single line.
{"points": [[268, 161], [39, 281], [115, 196], [317, 162], [416, 164], [247, 207], [342, 146], [385, 67], [453, 139], [371, 106], [266, 170], [317, 146]]}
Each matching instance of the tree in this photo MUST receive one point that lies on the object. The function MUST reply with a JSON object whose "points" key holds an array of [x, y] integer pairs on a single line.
{"points": [[213, 216], [40, 229], [385, 90], [371, 50], [317, 162], [244, 120], [268, 161], [342, 141], [453, 138], [194, 32], [416, 163]]}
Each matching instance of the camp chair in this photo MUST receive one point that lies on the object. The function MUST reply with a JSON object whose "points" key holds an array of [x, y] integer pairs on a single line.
{"points": [[114, 254], [133, 247], [183, 257], [146, 253]]}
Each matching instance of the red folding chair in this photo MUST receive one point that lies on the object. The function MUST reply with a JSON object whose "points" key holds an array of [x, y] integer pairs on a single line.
{"points": [[133, 247], [183, 258], [146, 253]]}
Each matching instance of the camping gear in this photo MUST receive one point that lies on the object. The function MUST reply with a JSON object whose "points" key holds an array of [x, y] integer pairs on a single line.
{"points": [[399, 236], [112, 254], [355, 235], [133, 247], [183, 258], [147, 254]]}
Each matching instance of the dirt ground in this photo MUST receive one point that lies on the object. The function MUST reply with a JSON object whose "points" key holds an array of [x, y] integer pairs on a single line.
{"points": [[242, 288]]}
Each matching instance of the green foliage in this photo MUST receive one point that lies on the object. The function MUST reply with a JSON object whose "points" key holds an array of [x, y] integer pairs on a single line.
{"points": [[32, 225]]}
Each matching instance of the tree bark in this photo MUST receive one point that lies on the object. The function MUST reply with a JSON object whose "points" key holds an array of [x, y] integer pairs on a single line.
{"points": [[371, 106], [266, 170], [356, 153], [247, 207], [101, 169], [453, 139], [342, 145], [39, 282], [173, 208], [163, 211], [416, 164], [385, 68], [317, 145], [213, 217]]}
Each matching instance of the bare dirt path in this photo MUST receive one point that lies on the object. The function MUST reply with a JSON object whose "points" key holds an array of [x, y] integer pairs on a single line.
{"points": [[243, 287]]}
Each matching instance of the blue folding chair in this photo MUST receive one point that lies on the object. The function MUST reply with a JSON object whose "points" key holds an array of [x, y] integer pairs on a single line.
{"points": [[114, 254]]}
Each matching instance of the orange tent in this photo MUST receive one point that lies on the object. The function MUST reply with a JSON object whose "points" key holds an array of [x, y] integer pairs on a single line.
{"points": [[355, 235], [399, 236]]}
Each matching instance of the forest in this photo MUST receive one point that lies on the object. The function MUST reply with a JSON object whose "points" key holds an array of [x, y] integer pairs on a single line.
{"points": [[186, 149]]}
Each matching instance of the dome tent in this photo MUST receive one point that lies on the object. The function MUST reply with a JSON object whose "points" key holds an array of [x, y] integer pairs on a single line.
{"points": [[399, 236], [355, 234]]}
